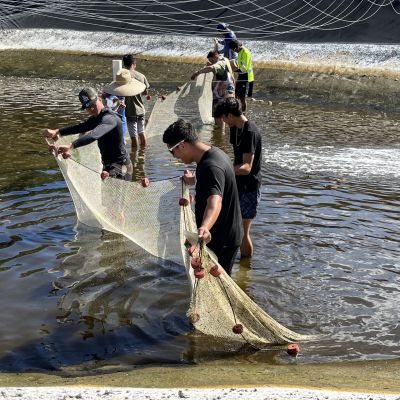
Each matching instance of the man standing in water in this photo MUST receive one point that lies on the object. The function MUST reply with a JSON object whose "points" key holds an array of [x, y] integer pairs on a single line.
{"points": [[246, 141], [245, 79], [134, 106], [103, 125], [217, 207], [222, 84]]}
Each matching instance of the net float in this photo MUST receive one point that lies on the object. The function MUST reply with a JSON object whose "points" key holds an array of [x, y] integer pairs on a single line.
{"points": [[195, 263], [178, 88], [194, 317], [293, 349], [199, 273], [163, 97], [183, 201], [215, 270], [148, 97], [238, 329], [145, 182], [104, 175]]}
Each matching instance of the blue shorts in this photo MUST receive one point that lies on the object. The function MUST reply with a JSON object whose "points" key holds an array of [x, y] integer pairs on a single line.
{"points": [[249, 203]]}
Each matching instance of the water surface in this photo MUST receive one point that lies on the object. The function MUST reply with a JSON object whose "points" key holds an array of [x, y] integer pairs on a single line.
{"points": [[326, 244]]}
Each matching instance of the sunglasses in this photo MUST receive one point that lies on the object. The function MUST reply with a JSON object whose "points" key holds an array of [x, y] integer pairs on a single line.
{"points": [[171, 149]]}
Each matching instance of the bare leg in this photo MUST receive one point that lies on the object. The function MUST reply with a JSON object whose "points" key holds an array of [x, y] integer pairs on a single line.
{"points": [[135, 142], [246, 248], [142, 139], [132, 129], [220, 123], [243, 103]]}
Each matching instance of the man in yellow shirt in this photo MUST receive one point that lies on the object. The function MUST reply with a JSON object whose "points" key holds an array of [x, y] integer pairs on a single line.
{"points": [[245, 80]]}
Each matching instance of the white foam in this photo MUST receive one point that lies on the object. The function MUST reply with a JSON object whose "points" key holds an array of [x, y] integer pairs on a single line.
{"points": [[358, 162], [386, 57]]}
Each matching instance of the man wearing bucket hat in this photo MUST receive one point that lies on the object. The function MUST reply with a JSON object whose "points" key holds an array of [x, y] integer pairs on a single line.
{"points": [[103, 126], [228, 36]]}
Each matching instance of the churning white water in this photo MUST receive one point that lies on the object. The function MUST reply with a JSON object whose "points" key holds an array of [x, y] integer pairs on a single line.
{"points": [[347, 55], [337, 161]]}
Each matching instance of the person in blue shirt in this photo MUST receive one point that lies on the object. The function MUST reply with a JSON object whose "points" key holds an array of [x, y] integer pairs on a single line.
{"points": [[117, 104], [228, 35]]}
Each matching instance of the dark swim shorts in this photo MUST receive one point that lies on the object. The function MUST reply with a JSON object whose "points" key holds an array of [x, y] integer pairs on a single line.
{"points": [[249, 203]]}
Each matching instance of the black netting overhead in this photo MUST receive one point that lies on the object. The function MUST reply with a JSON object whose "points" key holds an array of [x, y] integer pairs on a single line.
{"points": [[368, 21]]}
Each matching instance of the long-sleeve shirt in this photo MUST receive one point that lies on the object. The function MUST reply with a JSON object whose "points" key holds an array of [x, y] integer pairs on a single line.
{"points": [[106, 128]]}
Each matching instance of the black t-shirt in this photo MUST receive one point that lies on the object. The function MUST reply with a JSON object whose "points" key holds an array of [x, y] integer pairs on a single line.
{"points": [[215, 176], [247, 140], [106, 128]]}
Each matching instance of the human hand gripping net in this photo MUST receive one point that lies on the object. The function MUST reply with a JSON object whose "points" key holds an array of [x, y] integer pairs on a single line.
{"points": [[218, 306]]}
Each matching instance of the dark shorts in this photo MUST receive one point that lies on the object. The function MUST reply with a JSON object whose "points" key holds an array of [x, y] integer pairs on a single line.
{"points": [[241, 88], [226, 256], [249, 203], [250, 91], [120, 171]]}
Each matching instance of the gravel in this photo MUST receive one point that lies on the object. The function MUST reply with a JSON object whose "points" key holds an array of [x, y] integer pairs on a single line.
{"points": [[118, 393]]}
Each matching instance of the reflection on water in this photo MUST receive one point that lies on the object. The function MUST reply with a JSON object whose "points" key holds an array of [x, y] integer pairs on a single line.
{"points": [[326, 244]]}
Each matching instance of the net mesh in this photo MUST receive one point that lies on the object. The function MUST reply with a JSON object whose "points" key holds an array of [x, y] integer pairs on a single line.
{"points": [[151, 217]]}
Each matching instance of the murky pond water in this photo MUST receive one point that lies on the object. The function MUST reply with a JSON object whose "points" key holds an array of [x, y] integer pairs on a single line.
{"points": [[326, 239]]}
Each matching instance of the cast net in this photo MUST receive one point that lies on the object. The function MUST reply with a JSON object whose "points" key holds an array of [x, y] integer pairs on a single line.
{"points": [[152, 218]]}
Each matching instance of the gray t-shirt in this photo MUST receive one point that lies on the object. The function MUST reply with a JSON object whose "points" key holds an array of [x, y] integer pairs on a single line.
{"points": [[134, 104]]}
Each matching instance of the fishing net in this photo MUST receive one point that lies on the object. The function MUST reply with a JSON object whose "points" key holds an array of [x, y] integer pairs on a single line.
{"points": [[159, 218]]}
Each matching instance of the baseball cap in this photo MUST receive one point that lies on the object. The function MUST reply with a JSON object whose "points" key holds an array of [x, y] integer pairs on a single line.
{"points": [[88, 96], [222, 27]]}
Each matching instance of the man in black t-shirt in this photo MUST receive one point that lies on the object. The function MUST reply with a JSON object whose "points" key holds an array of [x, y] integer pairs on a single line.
{"points": [[246, 141], [103, 125], [217, 207]]}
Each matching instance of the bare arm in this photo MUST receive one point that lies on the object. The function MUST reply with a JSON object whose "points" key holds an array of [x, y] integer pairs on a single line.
{"points": [[203, 70], [245, 167], [211, 214]]}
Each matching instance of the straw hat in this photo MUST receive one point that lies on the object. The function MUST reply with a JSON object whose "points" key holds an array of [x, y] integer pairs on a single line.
{"points": [[124, 85]]}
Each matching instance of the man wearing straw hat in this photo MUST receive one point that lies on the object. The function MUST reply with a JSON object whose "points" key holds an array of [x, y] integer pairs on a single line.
{"points": [[103, 126], [135, 109]]}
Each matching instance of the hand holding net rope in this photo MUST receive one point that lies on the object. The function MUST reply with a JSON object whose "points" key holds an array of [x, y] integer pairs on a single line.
{"points": [[218, 306]]}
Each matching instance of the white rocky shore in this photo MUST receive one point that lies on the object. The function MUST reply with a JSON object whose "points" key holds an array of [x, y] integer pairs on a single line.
{"points": [[119, 393]]}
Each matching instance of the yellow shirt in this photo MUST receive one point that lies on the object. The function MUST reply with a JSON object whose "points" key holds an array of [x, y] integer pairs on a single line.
{"points": [[245, 64]]}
